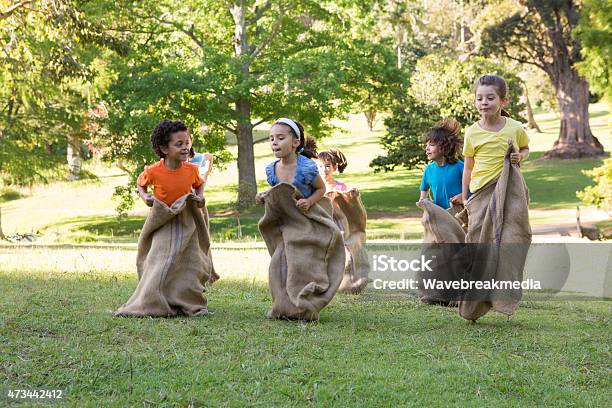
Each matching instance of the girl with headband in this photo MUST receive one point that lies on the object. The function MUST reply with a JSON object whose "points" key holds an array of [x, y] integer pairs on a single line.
{"points": [[305, 245], [294, 165]]}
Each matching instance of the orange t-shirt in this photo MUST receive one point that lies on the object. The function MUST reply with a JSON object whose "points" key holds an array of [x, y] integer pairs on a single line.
{"points": [[169, 185]]}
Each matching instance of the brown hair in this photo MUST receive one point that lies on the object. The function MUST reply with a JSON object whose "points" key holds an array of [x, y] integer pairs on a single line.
{"points": [[445, 135], [308, 145], [335, 157], [496, 81]]}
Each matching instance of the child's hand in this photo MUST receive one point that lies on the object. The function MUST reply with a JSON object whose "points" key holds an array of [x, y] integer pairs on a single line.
{"points": [[303, 204], [515, 158], [260, 198], [200, 201], [148, 200], [457, 199]]}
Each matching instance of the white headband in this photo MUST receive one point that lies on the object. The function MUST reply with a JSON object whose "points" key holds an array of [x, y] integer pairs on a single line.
{"points": [[292, 125]]}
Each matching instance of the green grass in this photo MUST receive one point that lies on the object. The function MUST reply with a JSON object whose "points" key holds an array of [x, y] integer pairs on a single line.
{"points": [[553, 184], [56, 331], [110, 229]]}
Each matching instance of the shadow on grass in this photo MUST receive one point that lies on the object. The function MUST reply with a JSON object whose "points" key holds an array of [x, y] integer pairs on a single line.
{"points": [[554, 183], [110, 229], [9, 194]]}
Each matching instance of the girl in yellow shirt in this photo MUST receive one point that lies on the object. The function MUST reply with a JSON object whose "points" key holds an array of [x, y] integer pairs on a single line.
{"points": [[486, 141]]}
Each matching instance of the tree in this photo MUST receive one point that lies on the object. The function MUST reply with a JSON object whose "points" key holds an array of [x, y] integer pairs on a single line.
{"points": [[540, 34], [595, 33], [440, 87], [46, 51], [381, 82], [531, 123], [403, 141], [385, 28], [600, 194], [232, 66], [448, 86]]}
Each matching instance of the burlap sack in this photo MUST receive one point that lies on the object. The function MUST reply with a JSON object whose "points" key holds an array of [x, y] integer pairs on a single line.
{"points": [[350, 216], [307, 255], [443, 243], [498, 228], [173, 262]]}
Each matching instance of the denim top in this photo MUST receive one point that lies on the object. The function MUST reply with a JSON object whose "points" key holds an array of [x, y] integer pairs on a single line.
{"points": [[306, 172]]}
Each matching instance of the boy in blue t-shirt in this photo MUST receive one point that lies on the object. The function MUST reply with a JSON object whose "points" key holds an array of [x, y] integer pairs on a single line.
{"points": [[443, 175]]}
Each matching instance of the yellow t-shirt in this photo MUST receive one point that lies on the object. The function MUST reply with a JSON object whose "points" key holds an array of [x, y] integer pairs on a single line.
{"points": [[489, 149]]}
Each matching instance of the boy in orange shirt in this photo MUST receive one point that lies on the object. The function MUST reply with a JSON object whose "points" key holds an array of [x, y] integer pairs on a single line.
{"points": [[172, 177]]}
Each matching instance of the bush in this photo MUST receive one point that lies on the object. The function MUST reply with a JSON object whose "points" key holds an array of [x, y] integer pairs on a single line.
{"points": [[600, 194], [404, 138]]}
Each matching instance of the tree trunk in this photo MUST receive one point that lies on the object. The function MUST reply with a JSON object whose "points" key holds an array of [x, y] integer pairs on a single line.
{"points": [[247, 185], [370, 115], [531, 123], [575, 137], [1, 233], [73, 156]]}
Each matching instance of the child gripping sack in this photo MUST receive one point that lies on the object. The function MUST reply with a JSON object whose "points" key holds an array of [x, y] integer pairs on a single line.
{"points": [[305, 245], [497, 213], [173, 261]]}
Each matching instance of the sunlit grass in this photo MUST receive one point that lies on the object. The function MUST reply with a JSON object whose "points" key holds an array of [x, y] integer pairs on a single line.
{"points": [[376, 349]]}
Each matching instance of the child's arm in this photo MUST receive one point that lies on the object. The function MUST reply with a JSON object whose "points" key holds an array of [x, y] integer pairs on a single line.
{"points": [[146, 197], [305, 203], [468, 165], [523, 154], [199, 193], [208, 158], [424, 186]]}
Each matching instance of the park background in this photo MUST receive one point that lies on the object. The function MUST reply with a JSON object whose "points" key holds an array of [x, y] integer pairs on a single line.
{"points": [[82, 83]]}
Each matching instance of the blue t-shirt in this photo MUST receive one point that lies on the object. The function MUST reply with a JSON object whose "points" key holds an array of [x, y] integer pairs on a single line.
{"points": [[444, 181], [306, 172]]}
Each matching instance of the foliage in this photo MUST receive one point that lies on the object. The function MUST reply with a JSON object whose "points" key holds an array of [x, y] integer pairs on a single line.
{"points": [[240, 66], [533, 34], [403, 141], [595, 33], [440, 87], [448, 86], [600, 194], [381, 82], [48, 66]]}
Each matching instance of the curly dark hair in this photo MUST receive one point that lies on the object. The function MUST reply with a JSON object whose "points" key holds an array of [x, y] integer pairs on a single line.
{"points": [[160, 137], [336, 157], [445, 135]]}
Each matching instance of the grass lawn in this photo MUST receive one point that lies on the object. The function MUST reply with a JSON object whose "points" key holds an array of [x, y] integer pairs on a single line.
{"points": [[84, 211], [57, 332]]}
